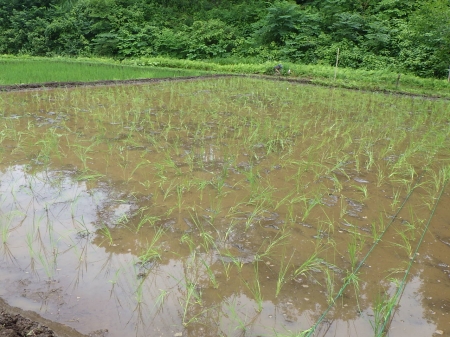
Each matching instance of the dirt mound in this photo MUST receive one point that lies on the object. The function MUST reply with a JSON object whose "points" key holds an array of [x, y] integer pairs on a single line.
{"points": [[18, 326], [15, 322]]}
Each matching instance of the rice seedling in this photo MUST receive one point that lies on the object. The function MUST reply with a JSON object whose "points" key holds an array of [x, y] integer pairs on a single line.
{"points": [[192, 297], [395, 198], [161, 298], [405, 241], [353, 279], [48, 266], [343, 208], [257, 211], [106, 232], [147, 219], [284, 267], [312, 264], [151, 252], [255, 288], [330, 285], [363, 190], [5, 232], [82, 152], [381, 308], [310, 204], [210, 273], [272, 245], [354, 248]]}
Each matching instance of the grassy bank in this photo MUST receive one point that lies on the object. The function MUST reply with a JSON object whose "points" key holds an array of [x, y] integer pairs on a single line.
{"points": [[16, 70], [320, 74]]}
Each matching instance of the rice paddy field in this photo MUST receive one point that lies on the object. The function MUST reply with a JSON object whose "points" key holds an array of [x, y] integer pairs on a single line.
{"points": [[15, 70], [226, 207]]}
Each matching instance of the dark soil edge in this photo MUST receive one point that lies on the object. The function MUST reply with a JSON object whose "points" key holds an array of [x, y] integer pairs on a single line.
{"points": [[73, 84], [52, 85], [29, 323]]}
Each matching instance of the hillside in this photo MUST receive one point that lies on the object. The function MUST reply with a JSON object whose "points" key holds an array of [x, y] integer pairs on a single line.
{"points": [[408, 36]]}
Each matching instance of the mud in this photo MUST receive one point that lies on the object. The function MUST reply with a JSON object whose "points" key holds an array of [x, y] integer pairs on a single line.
{"points": [[18, 323], [245, 179]]}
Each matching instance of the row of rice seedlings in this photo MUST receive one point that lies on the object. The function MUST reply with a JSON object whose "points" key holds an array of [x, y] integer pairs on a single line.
{"points": [[385, 304], [354, 249]]}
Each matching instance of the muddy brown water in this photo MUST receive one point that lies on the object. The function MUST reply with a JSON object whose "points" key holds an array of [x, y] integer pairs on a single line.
{"points": [[174, 208]]}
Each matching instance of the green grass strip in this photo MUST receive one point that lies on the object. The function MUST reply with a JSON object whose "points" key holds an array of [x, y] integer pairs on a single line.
{"points": [[402, 285], [348, 281], [380, 80]]}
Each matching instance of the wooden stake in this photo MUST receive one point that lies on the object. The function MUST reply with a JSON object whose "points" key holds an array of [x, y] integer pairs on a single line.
{"points": [[398, 81], [337, 62], [448, 78]]}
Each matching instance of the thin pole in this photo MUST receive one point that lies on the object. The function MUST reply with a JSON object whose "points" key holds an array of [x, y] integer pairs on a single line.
{"points": [[398, 80], [337, 62]]}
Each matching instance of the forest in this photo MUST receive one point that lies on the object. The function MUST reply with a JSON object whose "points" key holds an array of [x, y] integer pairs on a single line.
{"points": [[408, 36]]}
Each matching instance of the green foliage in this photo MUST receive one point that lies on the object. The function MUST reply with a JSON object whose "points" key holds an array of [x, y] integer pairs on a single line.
{"points": [[283, 18], [409, 36], [208, 39], [426, 46]]}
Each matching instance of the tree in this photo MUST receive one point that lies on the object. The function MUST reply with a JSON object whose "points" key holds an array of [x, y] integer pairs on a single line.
{"points": [[283, 18], [426, 43]]}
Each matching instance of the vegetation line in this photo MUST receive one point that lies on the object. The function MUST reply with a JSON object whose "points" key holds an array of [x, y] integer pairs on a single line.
{"points": [[348, 279], [402, 284], [40, 72]]}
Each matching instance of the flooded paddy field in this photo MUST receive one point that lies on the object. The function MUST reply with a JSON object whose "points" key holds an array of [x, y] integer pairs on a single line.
{"points": [[226, 207]]}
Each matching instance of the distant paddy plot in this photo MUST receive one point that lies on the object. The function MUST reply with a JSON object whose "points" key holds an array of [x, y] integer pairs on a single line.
{"points": [[226, 207], [35, 70]]}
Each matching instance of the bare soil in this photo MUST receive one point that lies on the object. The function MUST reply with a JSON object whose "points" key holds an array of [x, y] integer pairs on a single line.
{"points": [[17, 325], [15, 322]]}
